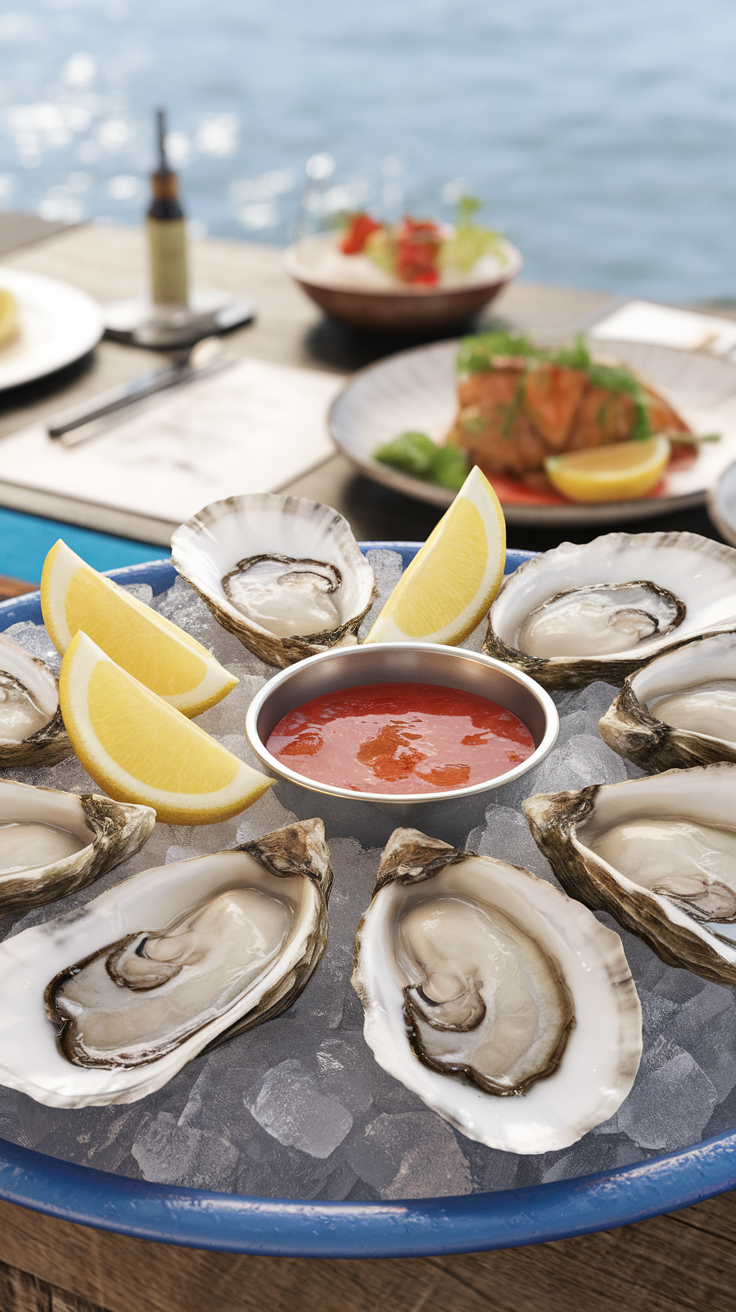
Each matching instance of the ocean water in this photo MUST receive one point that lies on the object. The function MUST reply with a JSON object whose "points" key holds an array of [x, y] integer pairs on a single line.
{"points": [[601, 138]]}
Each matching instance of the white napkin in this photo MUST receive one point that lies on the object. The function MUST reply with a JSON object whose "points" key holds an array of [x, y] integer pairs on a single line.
{"points": [[660, 325]]}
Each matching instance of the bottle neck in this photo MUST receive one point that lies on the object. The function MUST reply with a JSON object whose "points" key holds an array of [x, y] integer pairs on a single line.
{"points": [[165, 196]]}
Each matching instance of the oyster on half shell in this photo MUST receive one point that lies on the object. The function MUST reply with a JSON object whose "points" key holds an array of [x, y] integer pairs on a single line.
{"points": [[603, 609], [502, 1003], [31, 728], [284, 574], [680, 709], [169, 962], [52, 843], [659, 854]]}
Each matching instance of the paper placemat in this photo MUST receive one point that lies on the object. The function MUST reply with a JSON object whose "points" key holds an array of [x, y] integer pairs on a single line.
{"points": [[252, 427]]}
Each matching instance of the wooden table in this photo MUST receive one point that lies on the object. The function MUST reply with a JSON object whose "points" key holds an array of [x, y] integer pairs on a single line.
{"points": [[680, 1262]]}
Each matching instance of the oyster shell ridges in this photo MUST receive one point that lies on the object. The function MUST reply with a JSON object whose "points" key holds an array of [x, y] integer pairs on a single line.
{"points": [[415, 870], [295, 858], [117, 830], [50, 743], [529, 581], [632, 730], [703, 794], [208, 547]]}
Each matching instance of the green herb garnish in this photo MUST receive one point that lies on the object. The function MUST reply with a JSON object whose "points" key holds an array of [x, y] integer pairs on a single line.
{"points": [[417, 454], [476, 353], [412, 452], [450, 467]]}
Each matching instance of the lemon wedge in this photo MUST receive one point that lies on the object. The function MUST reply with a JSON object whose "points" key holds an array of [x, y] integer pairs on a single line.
{"points": [[8, 318], [140, 749], [157, 653], [624, 471], [452, 580]]}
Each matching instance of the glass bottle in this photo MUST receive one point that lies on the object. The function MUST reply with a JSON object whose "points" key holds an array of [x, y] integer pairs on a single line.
{"points": [[166, 226]]}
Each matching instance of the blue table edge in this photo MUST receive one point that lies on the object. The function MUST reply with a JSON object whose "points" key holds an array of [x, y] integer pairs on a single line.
{"points": [[196, 1218]]}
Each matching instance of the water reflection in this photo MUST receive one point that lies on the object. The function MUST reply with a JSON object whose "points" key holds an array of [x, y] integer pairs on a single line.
{"points": [[600, 137]]}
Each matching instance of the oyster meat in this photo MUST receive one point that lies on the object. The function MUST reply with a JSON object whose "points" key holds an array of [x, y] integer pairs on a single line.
{"points": [[171, 961], [603, 609], [283, 594], [284, 574], [680, 709], [52, 843], [600, 619], [503, 1004], [659, 854], [31, 728]]}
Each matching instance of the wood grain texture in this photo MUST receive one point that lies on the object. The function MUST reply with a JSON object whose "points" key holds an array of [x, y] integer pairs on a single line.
{"points": [[685, 1262], [20, 1292], [14, 587]]}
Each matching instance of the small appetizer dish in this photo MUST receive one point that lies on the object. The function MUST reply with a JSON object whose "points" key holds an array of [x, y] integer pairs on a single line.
{"points": [[416, 276], [396, 733]]}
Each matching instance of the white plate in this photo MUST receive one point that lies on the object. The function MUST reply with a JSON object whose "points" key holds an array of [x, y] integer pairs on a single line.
{"points": [[415, 390], [58, 324]]}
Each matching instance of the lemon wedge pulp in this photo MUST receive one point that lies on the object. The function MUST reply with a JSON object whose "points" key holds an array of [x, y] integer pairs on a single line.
{"points": [[140, 749], [452, 580], [621, 472], [157, 653]]}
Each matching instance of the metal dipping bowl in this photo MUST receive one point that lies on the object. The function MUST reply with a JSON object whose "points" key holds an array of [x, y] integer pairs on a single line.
{"points": [[372, 817]]}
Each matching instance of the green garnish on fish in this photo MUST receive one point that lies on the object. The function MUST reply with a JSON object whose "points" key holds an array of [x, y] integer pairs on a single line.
{"points": [[417, 454]]}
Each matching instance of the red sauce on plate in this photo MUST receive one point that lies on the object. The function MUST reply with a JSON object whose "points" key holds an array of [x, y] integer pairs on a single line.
{"points": [[401, 738]]}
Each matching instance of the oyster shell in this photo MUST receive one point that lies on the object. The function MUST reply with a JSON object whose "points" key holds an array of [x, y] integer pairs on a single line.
{"points": [[284, 574], [659, 854], [52, 843], [481, 982], [169, 962], [603, 609], [31, 728], [680, 709]]}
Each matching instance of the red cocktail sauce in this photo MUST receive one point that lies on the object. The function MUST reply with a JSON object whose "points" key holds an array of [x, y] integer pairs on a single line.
{"points": [[401, 738]]}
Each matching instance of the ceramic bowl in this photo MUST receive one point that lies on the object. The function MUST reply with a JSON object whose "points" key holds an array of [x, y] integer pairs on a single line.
{"points": [[372, 817], [414, 311]]}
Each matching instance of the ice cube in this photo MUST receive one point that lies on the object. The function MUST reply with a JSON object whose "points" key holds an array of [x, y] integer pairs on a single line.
{"points": [[290, 1107], [262, 817], [507, 837], [343, 1073], [170, 1153], [474, 641], [35, 640], [142, 592], [410, 1155], [387, 568], [228, 716], [671, 1102], [182, 605]]}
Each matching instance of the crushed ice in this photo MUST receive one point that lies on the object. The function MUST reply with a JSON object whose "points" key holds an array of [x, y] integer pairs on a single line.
{"points": [[298, 1108]]}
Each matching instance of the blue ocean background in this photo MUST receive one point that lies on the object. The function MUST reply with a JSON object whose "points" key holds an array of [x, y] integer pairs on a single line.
{"points": [[601, 138]]}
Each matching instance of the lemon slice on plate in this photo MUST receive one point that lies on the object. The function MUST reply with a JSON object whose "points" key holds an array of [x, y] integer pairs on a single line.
{"points": [[140, 749], [173, 665], [622, 472], [8, 318], [452, 580]]}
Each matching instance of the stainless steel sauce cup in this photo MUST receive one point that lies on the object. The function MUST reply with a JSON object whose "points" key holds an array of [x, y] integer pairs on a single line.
{"points": [[372, 817]]}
